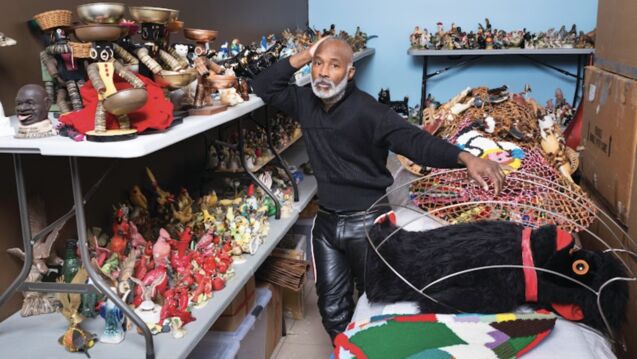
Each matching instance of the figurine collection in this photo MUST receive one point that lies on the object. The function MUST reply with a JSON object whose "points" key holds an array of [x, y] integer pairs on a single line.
{"points": [[490, 38], [164, 254], [284, 131], [110, 86]]}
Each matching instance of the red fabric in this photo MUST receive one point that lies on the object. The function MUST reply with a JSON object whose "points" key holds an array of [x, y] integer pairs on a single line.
{"points": [[530, 275], [157, 113], [573, 133], [564, 239], [342, 341], [420, 318], [569, 311]]}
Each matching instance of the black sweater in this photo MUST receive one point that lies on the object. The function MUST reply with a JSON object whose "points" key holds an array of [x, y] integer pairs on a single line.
{"points": [[348, 145]]}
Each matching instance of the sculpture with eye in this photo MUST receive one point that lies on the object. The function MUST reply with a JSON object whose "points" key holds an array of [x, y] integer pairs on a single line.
{"points": [[495, 267]]}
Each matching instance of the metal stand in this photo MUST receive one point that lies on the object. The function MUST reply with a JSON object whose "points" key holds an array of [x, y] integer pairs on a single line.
{"points": [[28, 242], [579, 76]]}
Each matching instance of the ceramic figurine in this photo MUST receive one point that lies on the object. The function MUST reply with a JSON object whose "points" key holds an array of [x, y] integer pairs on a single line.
{"points": [[43, 256], [113, 322], [31, 108], [161, 248], [235, 47], [416, 38], [183, 214], [230, 97], [147, 310]]}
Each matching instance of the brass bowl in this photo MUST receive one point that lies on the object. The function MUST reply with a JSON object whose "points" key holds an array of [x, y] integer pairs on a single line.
{"points": [[175, 79], [200, 35], [175, 26], [99, 32], [222, 81], [101, 13], [174, 15], [125, 101], [155, 15]]}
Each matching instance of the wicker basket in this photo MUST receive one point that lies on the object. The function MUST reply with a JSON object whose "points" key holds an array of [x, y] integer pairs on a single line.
{"points": [[54, 18], [81, 50]]}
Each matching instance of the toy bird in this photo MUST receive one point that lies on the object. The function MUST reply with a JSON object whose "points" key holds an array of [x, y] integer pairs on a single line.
{"points": [[137, 197], [163, 197]]}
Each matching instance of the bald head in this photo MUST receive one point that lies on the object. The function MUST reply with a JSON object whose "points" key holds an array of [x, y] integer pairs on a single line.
{"points": [[32, 104], [335, 47]]}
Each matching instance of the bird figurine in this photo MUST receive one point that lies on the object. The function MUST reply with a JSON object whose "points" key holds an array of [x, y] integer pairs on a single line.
{"points": [[137, 197], [161, 248]]}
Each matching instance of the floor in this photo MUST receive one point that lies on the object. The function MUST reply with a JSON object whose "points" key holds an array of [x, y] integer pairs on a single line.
{"points": [[306, 338]]}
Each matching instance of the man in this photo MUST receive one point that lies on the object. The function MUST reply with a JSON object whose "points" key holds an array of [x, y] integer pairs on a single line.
{"points": [[348, 135]]}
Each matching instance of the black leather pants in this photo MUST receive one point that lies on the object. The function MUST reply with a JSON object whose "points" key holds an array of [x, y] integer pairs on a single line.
{"points": [[339, 247]]}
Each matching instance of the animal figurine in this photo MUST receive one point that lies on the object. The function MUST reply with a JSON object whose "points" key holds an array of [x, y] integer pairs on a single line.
{"points": [[75, 339], [38, 303], [400, 107], [427, 256]]}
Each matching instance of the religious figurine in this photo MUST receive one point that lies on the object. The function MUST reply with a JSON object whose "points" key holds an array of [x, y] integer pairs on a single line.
{"points": [[36, 303], [32, 109]]}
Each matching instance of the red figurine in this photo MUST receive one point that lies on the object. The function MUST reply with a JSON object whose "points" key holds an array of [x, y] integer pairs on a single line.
{"points": [[161, 249]]}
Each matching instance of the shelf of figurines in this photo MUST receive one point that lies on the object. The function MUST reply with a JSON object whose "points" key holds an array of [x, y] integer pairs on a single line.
{"points": [[140, 146], [303, 78], [261, 162], [555, 51], [37, 336]]}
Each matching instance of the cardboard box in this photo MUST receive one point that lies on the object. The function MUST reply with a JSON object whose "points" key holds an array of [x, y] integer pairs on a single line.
{"points": [[609, 135], [616, 37], [240, 307], [274, 318], [293, 302]]}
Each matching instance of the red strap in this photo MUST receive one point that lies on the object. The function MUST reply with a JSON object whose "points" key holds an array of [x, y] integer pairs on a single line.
{"points": [[530, 275]]}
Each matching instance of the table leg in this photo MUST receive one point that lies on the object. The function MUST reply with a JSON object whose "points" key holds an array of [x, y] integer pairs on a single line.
{"points": [[26, 230], [86, 260], [423, 91], [578, 79]]}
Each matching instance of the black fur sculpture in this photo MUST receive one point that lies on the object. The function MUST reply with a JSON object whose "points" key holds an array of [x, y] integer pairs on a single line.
{"points": [[423, 257]]}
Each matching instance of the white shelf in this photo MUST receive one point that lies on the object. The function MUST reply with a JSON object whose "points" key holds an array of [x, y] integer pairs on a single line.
{"points": [[36, 337], [560, 51], [357, 56], [138, 147]]}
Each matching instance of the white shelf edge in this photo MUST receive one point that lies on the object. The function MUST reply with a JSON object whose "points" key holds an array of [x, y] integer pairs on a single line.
{"points": [[555, 51], [140, 146]]}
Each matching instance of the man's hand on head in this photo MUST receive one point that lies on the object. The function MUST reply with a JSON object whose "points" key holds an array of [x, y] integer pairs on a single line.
{"points": [[479, 169], [302, 58]]}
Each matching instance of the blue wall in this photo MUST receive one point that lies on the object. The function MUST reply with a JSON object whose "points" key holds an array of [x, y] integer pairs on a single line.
{"points": [[394, 20]]}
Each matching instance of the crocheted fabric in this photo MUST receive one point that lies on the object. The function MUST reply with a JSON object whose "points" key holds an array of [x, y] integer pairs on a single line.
{"points": [[445, 336]]}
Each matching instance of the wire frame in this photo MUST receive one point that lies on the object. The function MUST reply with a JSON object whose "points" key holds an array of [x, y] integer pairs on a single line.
{"points": [[453, 197]]}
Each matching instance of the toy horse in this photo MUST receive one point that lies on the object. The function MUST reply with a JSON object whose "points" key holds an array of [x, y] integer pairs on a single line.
{"points": [[424, 257]]}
